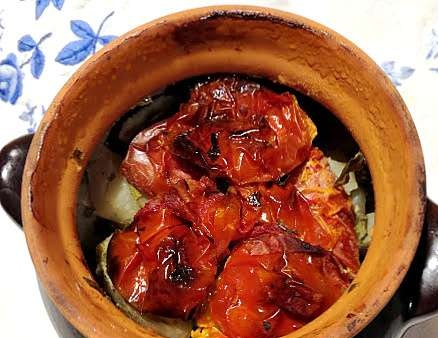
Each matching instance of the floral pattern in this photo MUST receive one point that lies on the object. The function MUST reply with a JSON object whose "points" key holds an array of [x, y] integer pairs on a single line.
{"points": [[37, 59], [31, 117], [396, 73], [11, 79], [433, 49], [30, 57], [41, 6], [77, 51]]}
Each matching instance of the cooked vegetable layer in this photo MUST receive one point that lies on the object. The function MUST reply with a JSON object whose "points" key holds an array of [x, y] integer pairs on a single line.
{"points": [[246, 230]]}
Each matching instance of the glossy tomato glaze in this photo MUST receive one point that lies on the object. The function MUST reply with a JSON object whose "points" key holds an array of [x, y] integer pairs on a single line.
{"points": [[246, 231]]}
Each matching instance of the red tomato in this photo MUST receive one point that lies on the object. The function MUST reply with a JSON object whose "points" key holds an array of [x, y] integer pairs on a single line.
{"points": [[331, 208], [151, 167], [229, 128], [246, 132], [273, 284], [160, 264], [309, 205], [218, 217]]}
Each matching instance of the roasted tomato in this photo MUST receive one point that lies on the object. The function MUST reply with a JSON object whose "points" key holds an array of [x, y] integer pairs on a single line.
{"points": [[218, 217], [160, 264], [309, 205], [246, 132], [151, 167], [229, 127], [331, 208], [273, 284]]}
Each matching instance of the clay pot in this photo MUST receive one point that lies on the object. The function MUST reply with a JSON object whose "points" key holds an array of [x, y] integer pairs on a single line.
{"points": [[276, 45]]}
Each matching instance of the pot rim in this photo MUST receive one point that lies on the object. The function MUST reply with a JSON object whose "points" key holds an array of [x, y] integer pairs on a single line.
{"points": [[30, 221]]}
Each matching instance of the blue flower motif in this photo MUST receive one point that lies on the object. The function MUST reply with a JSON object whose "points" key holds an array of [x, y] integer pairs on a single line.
{"points": [[77, 51], [11, 79], [396, 74], [41, 6], [434, 70], [37, 60], [29, 116], [433, 52]]}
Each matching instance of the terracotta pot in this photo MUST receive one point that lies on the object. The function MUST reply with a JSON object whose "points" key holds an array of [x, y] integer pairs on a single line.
{"points": [[276, 45]]}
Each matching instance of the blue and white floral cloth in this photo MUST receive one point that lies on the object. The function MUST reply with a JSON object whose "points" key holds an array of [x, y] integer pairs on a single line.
{"points": [[42, 42]]}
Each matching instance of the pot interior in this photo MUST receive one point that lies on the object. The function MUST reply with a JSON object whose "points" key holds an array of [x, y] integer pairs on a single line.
{"points": [[333, 138]]}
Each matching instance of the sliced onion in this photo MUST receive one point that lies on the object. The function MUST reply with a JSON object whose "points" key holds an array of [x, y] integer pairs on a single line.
{"points": [[112, 197]]}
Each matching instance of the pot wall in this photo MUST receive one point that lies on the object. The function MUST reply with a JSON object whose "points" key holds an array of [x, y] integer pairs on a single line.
{"points": [[268, 43]]}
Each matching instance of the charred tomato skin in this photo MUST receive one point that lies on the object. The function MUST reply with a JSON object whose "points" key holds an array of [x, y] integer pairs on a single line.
{"points": [[160, 264]]}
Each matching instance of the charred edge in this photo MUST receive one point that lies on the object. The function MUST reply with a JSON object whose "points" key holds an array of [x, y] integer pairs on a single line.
{"points": [[301, 246], [295, 244], [267, 326], [222, 184], [214, 151], [182, 273], [253, 16], [283, 180], [187, 150], [283, 227], [77, 155], [250, 15]]}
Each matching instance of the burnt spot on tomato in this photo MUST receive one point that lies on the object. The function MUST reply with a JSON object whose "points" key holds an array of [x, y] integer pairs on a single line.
{"points": [[214, 151], [283, 180], [222, 184], [187, 150], [174, 260], [267, 326], [182, 275]]}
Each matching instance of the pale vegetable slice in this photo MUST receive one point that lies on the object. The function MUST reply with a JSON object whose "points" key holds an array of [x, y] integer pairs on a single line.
{"points": [[361, 221], [346, 173], [111, 195], [337, 168], [166, 327]]}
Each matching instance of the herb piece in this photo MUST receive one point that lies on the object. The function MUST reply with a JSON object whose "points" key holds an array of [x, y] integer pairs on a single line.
{"points": [[356, 164]]}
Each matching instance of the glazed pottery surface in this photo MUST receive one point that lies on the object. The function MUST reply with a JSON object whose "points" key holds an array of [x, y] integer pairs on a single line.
{"points": [[260, 42]]}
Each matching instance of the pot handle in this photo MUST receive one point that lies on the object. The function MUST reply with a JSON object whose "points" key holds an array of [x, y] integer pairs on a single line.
{"points": [[12, 159], [419, 290]]}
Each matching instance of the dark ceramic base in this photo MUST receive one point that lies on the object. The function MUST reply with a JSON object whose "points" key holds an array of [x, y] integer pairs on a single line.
{"points": [[62, 326]]}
